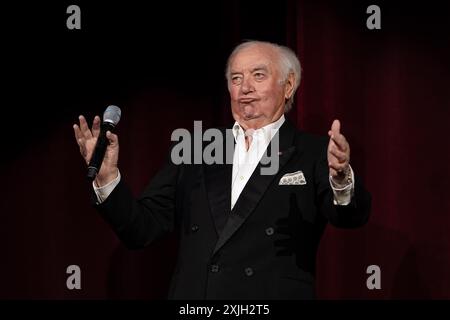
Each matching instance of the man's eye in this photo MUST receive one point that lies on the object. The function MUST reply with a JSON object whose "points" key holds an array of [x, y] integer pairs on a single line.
{"points": [[236, 80], [259, 75]]}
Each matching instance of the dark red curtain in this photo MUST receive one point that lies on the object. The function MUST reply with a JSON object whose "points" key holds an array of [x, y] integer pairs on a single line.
{"points": [[388, 87]]}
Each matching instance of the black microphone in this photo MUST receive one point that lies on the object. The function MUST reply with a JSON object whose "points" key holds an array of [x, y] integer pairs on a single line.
{"points": [[111, 117]]}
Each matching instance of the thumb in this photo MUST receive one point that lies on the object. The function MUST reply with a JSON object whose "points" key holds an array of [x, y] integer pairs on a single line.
{"points": [[112, 138], [336, 127]]}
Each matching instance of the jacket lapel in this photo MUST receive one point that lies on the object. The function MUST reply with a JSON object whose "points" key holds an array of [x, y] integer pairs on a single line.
{"points": [[218, 187], [255, 187]]}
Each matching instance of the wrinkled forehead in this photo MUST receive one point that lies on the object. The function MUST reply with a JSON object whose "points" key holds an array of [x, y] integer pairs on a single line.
{"points": [[254, 57]]}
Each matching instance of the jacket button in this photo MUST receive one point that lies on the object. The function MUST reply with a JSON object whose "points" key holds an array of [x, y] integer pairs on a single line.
{"points": [[214, 268], [248, 272], [269, 231], [194, 228]]}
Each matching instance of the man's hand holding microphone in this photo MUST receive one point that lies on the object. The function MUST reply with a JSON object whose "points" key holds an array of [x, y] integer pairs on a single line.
{"points": [[99, 146]]}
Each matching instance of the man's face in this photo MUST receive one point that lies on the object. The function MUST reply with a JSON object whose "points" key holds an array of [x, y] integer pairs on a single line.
{"points": [[257, 97]]}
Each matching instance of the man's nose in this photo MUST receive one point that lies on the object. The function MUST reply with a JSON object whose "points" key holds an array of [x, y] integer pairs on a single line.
{"points": [[247, 86]]}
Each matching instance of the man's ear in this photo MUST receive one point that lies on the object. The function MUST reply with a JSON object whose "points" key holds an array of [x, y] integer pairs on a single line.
{"points": [[289, 89]]}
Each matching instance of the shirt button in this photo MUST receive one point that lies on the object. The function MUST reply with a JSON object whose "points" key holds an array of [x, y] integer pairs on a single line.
{"points": [[214, 268], [241, 177], [194, 228], [269, 231], [248, 272]]}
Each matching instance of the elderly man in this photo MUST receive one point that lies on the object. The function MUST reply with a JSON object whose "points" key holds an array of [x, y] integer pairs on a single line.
{"points": [[243, 234]]}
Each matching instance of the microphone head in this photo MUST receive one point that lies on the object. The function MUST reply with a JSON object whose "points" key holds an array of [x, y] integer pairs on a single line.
{"points": [[112, 115]]}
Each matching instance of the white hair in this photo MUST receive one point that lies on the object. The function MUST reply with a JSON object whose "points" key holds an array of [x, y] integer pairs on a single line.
{"points": [[287, 63]]}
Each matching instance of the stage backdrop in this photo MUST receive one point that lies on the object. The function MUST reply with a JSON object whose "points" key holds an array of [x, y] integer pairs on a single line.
{"points": [[163, 65]]}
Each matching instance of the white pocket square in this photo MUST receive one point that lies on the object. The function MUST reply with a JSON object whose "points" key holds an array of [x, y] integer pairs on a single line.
{"points": [[294, 178]]}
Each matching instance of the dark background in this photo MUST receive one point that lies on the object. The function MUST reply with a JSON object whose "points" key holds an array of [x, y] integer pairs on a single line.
{"points": [[163, 64]]}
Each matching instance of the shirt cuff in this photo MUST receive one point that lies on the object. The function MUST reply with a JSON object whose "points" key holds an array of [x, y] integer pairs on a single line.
{"points": [[343, 193], [103, 192]]}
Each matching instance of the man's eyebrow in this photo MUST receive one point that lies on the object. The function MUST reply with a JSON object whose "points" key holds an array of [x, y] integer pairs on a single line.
{"points": [[261, 67]]}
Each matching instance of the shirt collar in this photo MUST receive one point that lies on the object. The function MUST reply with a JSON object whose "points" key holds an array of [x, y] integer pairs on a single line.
{"points": [[268, 130]]}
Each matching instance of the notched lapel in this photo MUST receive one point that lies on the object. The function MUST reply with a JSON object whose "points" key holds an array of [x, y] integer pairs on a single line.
{"points": [[218, 188], [256, 187]]}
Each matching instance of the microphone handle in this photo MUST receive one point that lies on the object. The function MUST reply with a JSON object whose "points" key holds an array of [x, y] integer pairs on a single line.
{"points": [[99, 151]]}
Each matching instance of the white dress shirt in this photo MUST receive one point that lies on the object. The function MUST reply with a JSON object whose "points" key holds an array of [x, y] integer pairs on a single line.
{"points": [[245, 162]]}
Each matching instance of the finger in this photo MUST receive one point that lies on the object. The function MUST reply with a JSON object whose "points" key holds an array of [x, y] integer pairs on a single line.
{"points": [[340, 141], [339, 155], [332, 145], [82, 145], [336, 127], [337, 166], [112, 138], [77, 131], [81, 141], [84, 128], [96, 126]]}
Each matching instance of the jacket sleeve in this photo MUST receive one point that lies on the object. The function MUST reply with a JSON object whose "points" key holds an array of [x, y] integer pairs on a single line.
{"points": [[353, 215], [138, 222]]}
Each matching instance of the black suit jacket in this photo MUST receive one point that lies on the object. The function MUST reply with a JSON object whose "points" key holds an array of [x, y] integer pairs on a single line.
{"points": [[265, 248]]}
